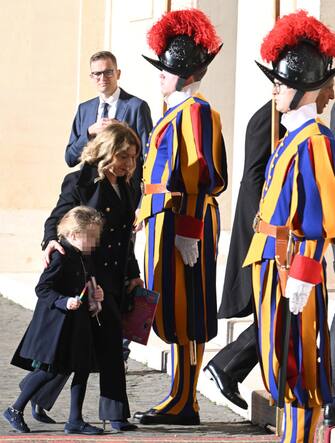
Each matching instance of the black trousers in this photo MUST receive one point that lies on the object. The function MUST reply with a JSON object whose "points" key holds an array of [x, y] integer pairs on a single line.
{"points": [[239, 357], [113, 404]]}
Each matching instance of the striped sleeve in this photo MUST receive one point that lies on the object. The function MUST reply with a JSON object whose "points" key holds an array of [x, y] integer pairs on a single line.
{"points": [[314, 199]]}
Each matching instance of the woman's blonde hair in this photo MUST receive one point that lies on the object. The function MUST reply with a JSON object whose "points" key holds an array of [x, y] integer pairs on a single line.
{"points": [[78, 220], [110, 142]]}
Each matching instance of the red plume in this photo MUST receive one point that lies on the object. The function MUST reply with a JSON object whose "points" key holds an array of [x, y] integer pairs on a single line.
{"points": [[191, 22], [289, 29]]}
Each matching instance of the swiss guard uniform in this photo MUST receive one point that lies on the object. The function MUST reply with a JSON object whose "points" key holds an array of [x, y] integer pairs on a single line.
{"points": [[185, 169], [297, 199]]}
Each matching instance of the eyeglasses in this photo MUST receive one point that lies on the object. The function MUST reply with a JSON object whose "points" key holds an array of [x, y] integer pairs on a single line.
{"points": [[107, 73], [277, 87]]}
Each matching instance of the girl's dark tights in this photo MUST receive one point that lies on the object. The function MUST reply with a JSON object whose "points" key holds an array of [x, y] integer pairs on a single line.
{"points": [[38, 379]]}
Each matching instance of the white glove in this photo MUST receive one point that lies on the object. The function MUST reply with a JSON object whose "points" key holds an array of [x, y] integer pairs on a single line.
{"points": [[188, 248], [298, 292]]}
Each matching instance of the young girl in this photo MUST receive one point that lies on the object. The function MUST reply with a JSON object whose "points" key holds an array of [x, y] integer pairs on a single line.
{"points": [[59, 339]]}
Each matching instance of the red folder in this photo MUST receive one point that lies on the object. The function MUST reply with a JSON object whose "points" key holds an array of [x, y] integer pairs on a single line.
{"points": [[137, 323]]}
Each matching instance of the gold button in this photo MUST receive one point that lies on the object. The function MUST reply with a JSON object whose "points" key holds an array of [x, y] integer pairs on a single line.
{"points": [[108, 209], [112, 229], [269, 178], [272, 165], [109, 246], [147, 144], [276, 154]]}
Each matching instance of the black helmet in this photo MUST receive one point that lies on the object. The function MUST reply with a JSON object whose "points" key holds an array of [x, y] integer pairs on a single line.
{"points": [[185, 42], [300, 49], [183, 57], [301, 67]]}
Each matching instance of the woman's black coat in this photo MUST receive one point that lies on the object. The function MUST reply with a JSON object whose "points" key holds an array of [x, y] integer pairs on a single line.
{"points": [[56, 336], [237, 289], [114, 260]]}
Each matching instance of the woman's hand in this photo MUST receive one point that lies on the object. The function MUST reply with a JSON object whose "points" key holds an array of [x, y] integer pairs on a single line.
{"points": [[53, 245], [137, 226], [133, 283], [98, 294], [73, 303]]}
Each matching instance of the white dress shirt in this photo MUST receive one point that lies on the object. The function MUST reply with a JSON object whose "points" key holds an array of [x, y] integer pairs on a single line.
{"points": [[112, 101]]}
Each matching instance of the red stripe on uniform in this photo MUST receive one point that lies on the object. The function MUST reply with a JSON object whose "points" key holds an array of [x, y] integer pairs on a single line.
{"points": [[195, 112], [306, 269], [189, 226]]}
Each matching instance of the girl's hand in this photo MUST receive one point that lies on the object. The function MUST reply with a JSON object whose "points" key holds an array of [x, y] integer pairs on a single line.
{"points": [[73, 303], [98, 294]]}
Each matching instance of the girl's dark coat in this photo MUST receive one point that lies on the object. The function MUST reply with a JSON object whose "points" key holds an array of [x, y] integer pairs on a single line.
{"points": [[58, 337]]}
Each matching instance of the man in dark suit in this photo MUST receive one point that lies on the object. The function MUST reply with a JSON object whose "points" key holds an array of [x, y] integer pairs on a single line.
{"points": [[113, 103], [234, 362]]}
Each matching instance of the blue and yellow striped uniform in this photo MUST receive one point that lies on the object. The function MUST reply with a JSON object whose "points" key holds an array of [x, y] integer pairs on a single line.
{"points": [[298, 192], [187, 155]]}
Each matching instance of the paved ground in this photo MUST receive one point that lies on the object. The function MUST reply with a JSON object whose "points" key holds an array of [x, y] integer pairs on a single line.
{"points": [[145, 388]]}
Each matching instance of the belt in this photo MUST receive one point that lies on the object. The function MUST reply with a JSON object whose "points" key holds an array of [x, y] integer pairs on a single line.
{"points": [[263, 227], [284, 246], [158, 188]]}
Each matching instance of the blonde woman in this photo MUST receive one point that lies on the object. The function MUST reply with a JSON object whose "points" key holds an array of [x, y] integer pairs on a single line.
{"points": [[108, 163]]}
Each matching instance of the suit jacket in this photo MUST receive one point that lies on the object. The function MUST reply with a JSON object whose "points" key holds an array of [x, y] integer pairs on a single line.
{"points": [[130, 109], [237, 289]]}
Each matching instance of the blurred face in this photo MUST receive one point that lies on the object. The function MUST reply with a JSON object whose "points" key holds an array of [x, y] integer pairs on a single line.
{"points": [[105, 76], [325, 94], [283, 96], [85, 241], [168, 83], [124, 162]]}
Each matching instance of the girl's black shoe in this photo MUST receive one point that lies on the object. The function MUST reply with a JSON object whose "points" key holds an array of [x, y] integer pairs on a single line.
{"points": [[16, 420]]}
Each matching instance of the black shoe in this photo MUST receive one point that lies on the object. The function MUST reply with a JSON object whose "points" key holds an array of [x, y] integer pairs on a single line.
{"points": [[123, 425], [226, 384], [82, 428], [153, 417], [138, 415], [329, 415], [15, 419], [39, 414]]}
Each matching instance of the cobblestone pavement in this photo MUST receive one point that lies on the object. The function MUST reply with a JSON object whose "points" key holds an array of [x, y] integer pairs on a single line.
{"points": [[145, 388]]}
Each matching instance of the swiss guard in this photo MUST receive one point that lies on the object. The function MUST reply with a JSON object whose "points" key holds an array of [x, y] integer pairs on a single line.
{"points": [[185, 169], [294, 226]]}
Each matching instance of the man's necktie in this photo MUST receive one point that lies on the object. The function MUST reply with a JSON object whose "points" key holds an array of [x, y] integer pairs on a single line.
{"points": [[105, 111]]}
